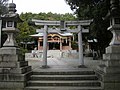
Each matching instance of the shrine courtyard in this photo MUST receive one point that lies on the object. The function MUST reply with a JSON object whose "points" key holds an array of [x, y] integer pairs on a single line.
{"points": [[54, 62]]}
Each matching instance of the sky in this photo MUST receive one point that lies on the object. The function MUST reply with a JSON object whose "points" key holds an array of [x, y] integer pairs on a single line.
{"points": [[37, 6]]}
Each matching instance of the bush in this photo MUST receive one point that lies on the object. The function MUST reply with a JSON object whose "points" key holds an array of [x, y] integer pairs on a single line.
{"points": [[74, 45]]}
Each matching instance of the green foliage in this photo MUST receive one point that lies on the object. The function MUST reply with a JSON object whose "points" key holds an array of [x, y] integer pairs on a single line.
{"points": [[74, 45], [83, 8], [25, 31], [96, 10], [23, 50], [46, 16], [3, 4], [3, 10], [28, 28], [98, 28]]}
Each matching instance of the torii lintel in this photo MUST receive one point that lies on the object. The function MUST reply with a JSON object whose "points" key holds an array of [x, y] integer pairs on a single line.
{"points": [[57, 23]]}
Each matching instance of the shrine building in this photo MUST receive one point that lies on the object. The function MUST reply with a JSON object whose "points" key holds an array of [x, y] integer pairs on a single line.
{"points": [[55, 40]]}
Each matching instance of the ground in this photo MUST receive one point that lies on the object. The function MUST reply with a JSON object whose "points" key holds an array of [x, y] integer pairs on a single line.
{"points": [[63, 62]]}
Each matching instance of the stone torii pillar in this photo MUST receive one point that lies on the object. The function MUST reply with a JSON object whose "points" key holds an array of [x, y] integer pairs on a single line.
{"points": [[45, 46], [79, 30], [0, 33], [81, 63]]}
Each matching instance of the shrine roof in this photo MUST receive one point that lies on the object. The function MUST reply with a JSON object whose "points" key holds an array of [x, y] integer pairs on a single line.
{"points": [[37, 35], [41, 34], [66, 34]]}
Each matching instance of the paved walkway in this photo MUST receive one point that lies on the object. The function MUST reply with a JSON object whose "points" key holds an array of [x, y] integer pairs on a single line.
{"points": [[63, 62]]}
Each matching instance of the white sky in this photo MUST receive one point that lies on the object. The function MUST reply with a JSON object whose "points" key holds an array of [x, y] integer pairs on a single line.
{"points": [[36, 6]]}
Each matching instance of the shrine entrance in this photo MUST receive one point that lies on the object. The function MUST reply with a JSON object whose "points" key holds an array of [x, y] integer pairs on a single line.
{"points": [[63, 42], [54, 45]]}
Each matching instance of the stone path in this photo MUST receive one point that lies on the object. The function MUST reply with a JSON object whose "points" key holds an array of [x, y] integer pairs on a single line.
{"points": [[63, 62]]}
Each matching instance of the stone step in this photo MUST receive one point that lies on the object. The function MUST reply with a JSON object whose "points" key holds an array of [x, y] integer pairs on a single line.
{"points": [[89, 83], [15, 77], [112, 63], [64, 72], [101, 67], [111, 56], [110, 70], [63, 88], [68, 79], [23, 63], [23, 69], [64, 77], [8, 84]]}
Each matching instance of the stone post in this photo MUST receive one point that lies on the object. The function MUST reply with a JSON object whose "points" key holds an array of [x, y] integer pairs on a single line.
{"points": [[80, 46], [70, 43], [45, 47], [60, 44], [38, 44], [110, 69], [0, 33]]}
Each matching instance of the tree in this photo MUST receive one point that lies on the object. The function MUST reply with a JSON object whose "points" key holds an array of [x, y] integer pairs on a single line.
{"points": [[98, 28], [3, 8], [83, 8], [28, 28], [96, 10], [25, 31]]}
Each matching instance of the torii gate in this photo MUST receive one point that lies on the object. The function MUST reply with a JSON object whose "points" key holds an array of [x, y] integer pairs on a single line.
{"points": [[79, 30]]}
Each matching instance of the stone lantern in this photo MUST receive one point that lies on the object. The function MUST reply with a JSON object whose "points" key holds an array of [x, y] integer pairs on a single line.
{"points": [[110, 68], [10, 20], [14, 70], [114, 16]]}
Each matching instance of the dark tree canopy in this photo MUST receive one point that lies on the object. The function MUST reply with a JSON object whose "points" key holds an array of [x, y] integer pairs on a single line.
{"points": [[85, 9], [96, 10], [3, 4], [3, 10]]}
